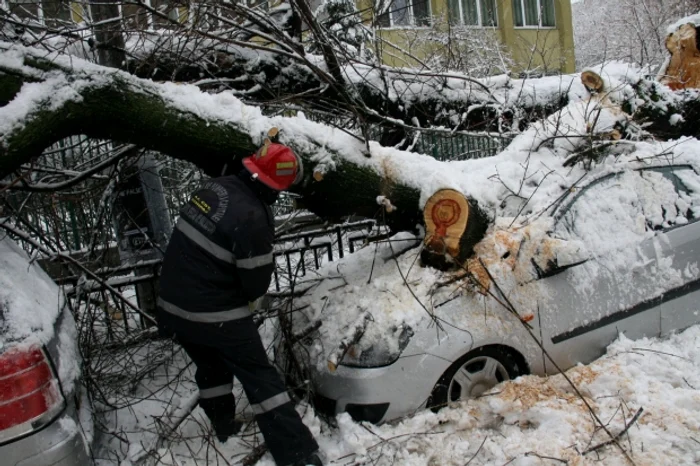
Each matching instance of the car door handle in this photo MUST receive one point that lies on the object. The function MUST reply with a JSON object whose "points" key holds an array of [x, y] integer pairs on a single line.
{"points": [[553, 269]]}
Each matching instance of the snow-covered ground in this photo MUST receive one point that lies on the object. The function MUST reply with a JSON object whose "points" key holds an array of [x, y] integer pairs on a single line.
{"points": [[529, 421]]}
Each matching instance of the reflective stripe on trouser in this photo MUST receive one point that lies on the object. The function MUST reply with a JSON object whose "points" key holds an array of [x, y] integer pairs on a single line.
{"points": [[206, 317], [215, 383], [271, 403], [242, 354], [213, 392]]}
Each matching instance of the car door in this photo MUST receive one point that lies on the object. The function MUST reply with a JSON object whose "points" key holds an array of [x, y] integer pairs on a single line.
{"points": [[624, 221]]}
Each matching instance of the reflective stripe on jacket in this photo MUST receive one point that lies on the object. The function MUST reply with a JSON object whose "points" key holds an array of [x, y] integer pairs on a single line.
{"points": [[220, 255]]}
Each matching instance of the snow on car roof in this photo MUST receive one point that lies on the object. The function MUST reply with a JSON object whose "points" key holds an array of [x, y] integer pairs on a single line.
{"points": [[29, 299]]}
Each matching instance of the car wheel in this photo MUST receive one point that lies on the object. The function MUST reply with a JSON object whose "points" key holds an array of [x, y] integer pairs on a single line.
{"points": [[473, 374]]}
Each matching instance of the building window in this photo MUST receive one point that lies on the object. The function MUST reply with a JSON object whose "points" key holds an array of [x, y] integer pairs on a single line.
{"points": [[405, 13], [533, 13], [473, 12], [50, 12]]}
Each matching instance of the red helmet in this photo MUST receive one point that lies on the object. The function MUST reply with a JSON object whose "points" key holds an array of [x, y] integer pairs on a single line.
{"points": [[275, 165]]}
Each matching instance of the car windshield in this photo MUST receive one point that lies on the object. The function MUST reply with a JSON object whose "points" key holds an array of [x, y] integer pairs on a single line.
{"points": [[628, 207]]}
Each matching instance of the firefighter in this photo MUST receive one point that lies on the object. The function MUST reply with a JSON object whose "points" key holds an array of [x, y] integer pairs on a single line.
{"points": [[219, 261]]}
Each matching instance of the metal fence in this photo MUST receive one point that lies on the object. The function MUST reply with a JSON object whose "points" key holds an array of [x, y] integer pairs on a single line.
{"points": [[71, 218], [297, 254], [442, 145], [68, 219], [461, 146]]}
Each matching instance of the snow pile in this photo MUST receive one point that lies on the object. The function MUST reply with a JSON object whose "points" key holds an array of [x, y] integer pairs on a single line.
{"points": [[692, 19], [522, 422], [531, 418]]}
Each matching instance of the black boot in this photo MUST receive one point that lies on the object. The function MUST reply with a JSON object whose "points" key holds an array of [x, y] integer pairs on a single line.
{"points": [[311, 460], [226, 429], [221, 411]]}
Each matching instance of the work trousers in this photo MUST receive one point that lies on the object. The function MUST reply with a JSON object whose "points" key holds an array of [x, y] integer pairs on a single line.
{"points": [[237, 350]]}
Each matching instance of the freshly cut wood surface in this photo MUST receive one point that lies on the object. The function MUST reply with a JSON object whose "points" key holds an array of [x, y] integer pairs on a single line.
{"points": [[683, 70], [592, 81], [453, 226]]}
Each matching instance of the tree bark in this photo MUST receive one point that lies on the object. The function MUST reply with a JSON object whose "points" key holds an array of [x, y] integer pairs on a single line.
{"points": [[411, 99]]}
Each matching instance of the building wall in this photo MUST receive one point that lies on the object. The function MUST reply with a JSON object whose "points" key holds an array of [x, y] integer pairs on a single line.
{"points": [[544, 50]]}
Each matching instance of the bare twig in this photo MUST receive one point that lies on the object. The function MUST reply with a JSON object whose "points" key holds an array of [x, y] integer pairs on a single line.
{"points": [[615, 438]]}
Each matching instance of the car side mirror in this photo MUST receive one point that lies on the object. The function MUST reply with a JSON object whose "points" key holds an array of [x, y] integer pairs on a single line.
{"points": [[555, 256]]}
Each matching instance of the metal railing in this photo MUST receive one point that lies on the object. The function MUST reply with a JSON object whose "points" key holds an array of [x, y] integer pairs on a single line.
{"points": [[461, 146], [297, 254]]}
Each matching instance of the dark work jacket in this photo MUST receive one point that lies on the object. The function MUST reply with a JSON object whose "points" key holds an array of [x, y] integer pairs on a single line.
{"points": [[219, 259]]}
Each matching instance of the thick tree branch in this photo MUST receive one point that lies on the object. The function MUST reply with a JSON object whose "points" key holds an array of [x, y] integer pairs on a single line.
{"points": [[211, 131]]}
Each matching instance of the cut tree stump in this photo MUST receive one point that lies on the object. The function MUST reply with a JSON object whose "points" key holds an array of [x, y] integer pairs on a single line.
{"points": [[453, 226], [593, 82], [683, 71]]}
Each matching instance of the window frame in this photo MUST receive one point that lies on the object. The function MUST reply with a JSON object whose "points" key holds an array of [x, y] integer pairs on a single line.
{"points": [[539, 16], [41, 17], [7, 5], [411, 18], [480, 17]]}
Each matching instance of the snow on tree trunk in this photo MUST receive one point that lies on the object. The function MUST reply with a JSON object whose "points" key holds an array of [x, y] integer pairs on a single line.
{"points": [[52, 97], [62, 96]]}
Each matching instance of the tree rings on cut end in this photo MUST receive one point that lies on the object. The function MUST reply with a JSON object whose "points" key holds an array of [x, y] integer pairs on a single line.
{"points": [[453, 226], [592, 81]]}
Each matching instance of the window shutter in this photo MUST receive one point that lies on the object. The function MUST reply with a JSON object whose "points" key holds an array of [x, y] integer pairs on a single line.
{"points": [[421, 12], [488, 13], [471, 13], [518, 13], [548, 13]]}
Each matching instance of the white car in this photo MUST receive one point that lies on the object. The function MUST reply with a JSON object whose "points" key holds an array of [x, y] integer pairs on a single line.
{"points": [[618, 255], [39, 368]]}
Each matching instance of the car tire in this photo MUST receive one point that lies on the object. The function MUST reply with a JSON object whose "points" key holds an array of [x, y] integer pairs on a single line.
{"points": [[473, 374]]}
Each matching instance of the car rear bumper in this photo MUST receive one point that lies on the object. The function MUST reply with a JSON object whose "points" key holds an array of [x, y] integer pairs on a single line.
{"points": [[58, 444], [379, 394]]}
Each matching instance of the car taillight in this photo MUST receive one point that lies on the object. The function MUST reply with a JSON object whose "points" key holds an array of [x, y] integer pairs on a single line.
{"points": [[30, 395]]}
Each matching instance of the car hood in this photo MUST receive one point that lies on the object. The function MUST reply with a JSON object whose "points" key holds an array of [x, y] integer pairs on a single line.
{"points": [[383, 288]]}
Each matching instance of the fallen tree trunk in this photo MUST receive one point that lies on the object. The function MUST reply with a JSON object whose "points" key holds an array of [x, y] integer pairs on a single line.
{"points": [[49, 100], [392, 96], [453, 226], [52, 99]]}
